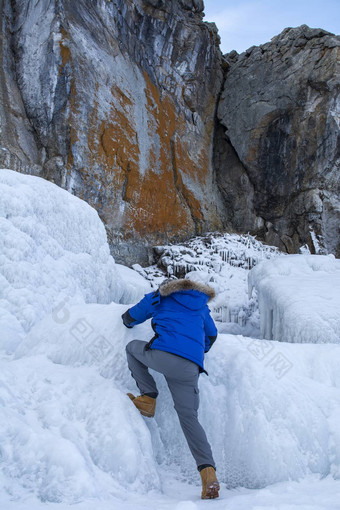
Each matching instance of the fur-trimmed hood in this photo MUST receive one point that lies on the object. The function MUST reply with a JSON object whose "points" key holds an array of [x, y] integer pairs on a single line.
{"points": [[170, 286]]}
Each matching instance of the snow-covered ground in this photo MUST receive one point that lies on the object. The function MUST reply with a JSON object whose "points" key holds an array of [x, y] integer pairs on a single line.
{"points": [[69, 436]]}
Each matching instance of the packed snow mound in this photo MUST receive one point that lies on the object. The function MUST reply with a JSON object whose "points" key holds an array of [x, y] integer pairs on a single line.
{"points": [[299, 298], [67, 435], [77, 434], [270, 410], [52, 246]]}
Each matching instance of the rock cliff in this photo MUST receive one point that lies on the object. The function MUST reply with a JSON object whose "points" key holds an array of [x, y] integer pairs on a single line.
{"points": [[119, 101], [130, 105], [278, 152]]}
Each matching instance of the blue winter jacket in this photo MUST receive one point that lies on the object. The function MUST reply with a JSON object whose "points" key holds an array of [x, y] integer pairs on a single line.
{"points": [[180, 318]]}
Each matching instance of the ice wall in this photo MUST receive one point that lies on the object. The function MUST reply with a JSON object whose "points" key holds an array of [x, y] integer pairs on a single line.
{"points": [[299, 298]]}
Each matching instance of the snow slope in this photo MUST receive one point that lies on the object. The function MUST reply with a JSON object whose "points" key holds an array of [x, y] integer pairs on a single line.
{"points": [[53, 247], [271, 411]]}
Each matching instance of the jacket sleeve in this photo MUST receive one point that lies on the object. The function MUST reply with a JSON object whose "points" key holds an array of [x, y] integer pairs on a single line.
{"points": [[209, 329], [141, 311]]}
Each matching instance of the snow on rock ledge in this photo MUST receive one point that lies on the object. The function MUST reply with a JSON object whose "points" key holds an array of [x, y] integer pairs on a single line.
{"points": [[53, 247], [299, 298]]}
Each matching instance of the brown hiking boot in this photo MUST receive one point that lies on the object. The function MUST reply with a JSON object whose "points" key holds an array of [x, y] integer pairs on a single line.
{"points": [[210, 485], [145, 405]]}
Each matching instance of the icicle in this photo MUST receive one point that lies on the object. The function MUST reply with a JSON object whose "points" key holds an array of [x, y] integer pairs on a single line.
{"points": [[225, 315], [241, 319], [234, 315]]}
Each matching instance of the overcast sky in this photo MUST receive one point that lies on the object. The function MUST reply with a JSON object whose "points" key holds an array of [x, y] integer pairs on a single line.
{"points": [[243, 23]]}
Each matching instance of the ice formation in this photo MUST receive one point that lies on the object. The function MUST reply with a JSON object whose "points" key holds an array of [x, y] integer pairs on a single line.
{"points": [[211, 252], [222, 261], [299, 298]]}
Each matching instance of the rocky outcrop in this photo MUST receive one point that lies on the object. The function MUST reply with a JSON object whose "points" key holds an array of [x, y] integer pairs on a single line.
{"points": [[280, 110], [116, 100], [119, 100]]}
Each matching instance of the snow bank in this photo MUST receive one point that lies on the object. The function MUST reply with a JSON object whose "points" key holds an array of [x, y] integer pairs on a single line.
{"points": [[299, 298], [134, 284], [68, 431], [52, 247], [275, 410], [67, 435], [270, 410]]}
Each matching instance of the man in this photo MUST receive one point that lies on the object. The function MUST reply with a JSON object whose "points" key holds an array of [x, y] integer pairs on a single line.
{"points": [[184, 331]]}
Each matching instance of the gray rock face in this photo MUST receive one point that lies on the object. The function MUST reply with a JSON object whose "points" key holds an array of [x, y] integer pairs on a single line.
{"points": [[280, 109], [18, 149], [116, 101], [119, 99]]}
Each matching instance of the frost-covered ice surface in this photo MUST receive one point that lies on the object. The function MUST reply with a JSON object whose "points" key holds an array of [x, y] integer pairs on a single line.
{"points": [[299, 298], [70, 437], [222, 261], [53, 247]]}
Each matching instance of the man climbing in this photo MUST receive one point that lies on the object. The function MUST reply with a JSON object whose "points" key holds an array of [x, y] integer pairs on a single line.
{"points": [[184, 331]]}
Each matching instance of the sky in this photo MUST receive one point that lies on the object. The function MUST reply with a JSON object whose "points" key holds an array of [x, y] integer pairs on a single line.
{"points": [[244, 23]]}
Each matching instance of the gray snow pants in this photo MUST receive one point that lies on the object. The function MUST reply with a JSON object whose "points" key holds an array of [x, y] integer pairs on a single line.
{"points": [[182, 378]]}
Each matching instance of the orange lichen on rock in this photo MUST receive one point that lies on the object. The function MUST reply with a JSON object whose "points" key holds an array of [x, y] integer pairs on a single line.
{"points": [[157, 207], [165, 204], [111, 161], [65, 52], [157, 200]]}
